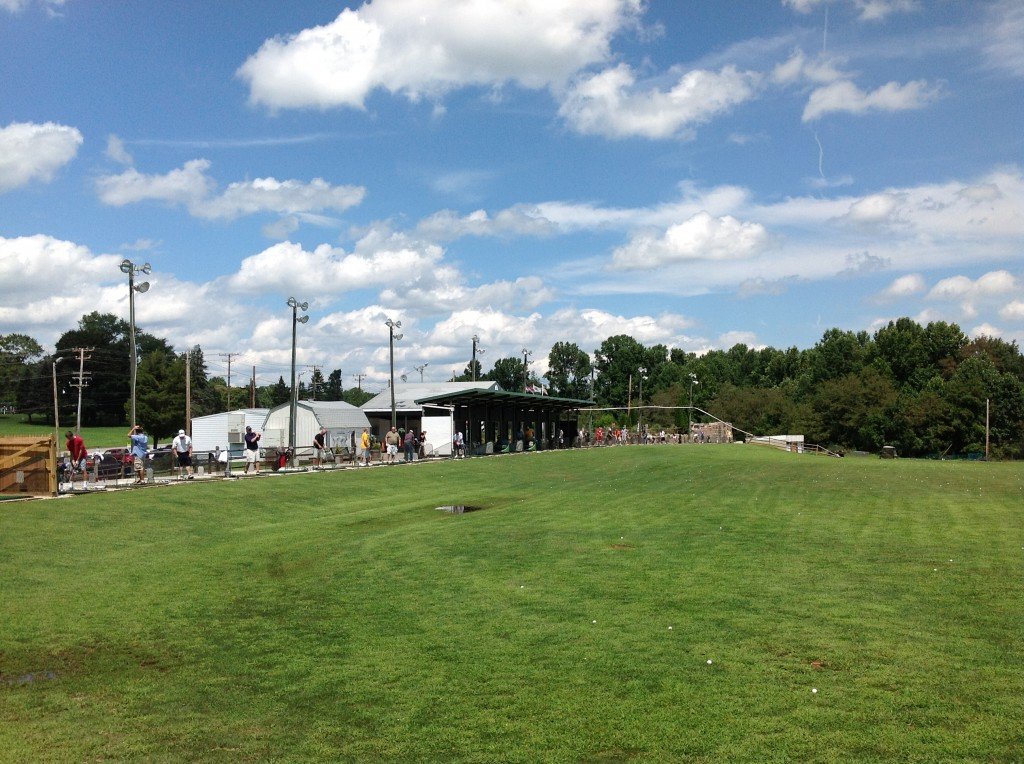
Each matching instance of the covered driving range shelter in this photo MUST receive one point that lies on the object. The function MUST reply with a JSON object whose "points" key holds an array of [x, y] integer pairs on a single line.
{"points": [[494, 421]]}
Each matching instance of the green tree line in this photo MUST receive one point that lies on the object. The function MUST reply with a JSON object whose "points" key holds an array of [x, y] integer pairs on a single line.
{"points": [[922, 389], [26, 380]]}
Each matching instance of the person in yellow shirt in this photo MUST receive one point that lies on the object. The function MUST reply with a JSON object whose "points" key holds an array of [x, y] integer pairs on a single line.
{"points": [[364, 444]]}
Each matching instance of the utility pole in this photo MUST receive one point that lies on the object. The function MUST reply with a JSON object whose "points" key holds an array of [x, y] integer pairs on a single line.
{"points": [[82, 382], [252, 389], [229, 356], [188, 391], [359, 380], [312, 381]]}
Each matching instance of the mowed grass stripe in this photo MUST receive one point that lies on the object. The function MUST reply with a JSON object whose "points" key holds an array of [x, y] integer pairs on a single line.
{"points": [[340, 616]]}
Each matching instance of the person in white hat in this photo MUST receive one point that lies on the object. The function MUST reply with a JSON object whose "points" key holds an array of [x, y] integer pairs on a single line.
{"points": [[182, 448]]}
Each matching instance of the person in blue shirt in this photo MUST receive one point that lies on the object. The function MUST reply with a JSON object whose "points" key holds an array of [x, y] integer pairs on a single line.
{"points": [[139, 446]]}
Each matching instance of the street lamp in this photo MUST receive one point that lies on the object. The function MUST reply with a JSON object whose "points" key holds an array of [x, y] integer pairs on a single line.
{"points": [[689, 411], [526, 368], [472, 364], [296, 306], [130, 268], [642, 372], [392, 337], [420, 370]]}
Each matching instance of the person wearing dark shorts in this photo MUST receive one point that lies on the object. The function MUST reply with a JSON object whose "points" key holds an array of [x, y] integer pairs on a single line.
{"points": [[182, 448]]}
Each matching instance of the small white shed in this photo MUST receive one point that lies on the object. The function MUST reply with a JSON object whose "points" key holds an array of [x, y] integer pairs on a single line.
{"points": [[224, 429], [342, 420]]}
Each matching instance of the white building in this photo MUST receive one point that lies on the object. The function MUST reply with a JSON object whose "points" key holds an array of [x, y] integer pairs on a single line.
{"points": [[436, 421], [343, 421], [224, 429]]}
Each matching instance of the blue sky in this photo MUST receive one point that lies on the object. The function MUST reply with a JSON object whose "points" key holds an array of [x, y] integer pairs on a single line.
{"points": [[694, 174]]}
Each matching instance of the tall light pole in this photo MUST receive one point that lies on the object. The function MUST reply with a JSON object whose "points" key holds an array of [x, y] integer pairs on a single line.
{"points": [[296, 306], [392, 337], [56, 413], [420, 370], [640, 402], [472, 364], [526, 368], [127, 266], [689, 411]]}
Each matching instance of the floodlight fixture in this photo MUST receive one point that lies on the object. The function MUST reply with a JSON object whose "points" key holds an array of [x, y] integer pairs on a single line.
{"points": [[476, 350], [130, 269], [296, 306]]}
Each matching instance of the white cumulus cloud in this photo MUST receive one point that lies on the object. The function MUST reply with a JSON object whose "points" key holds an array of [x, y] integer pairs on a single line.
{"points": [[869, 10], [904, 286], [116, 150], [433, 47], [844, 96], [327, 270], [609, 103], [702, 237], [1003, 45], [35, 152], [192, 187]]}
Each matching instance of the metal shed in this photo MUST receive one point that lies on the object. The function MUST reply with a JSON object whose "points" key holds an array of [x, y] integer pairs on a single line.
{"points": [[342, 420], [224, 429]]}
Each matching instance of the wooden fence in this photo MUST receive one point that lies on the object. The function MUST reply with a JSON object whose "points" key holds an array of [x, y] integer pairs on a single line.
{"points": [[28, 466]]}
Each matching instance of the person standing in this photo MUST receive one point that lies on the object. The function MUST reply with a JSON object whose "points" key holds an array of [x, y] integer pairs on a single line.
{"points": [[181, 447], [391, 443], [423, 444], [410, 445], [319, 447], [458, 446], [139, 446], [252, 450], [79, 456], [364, 447]]}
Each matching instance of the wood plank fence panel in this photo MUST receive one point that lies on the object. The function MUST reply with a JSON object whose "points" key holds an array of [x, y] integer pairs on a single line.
{"points": [[28, 466]]}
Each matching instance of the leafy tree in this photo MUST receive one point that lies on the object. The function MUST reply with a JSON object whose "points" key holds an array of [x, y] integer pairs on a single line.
{"points": [[617, 360], [160, 394], [34, 393], [333, 390], [837, 354], [944, 344], [757, 410], [855, 411], [901, 348], [509, 373], [18, 354], [357, 396], [1005, 356], [104, 400], [205, 399], [467, 373], [274, 395], [316, 385], [569, 371]]}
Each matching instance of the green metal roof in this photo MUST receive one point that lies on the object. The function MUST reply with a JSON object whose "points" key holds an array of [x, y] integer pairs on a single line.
{"points": [[504, 398]]}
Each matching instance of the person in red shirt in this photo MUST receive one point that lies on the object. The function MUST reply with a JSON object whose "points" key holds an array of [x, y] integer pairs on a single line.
{"points": [[76, 447]]}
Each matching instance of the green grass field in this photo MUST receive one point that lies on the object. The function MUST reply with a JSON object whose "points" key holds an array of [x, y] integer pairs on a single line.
{"points": [[94, 437], [625, 604]]}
